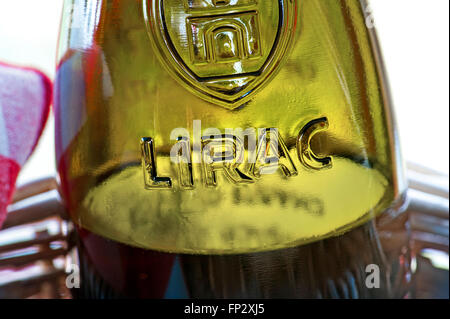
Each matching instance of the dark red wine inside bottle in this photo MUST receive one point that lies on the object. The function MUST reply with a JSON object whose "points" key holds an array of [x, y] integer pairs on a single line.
{"points": [[331, 268]]}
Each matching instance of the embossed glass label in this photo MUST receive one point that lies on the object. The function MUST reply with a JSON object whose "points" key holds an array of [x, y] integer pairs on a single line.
{"points": [[223, 51]]}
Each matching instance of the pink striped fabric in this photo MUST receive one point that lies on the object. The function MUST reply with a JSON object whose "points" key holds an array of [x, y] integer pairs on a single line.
{"points": [[25, 96]]}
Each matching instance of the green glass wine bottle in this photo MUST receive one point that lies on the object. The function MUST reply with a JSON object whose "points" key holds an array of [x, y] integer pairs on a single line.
{"points": [[228, 149]]}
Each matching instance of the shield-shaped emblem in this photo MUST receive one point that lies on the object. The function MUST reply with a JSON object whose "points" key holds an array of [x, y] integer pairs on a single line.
{"points": [[222, 50]]}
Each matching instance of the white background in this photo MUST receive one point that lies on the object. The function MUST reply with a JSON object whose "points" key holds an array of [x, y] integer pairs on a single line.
{"points": [[414, 36]]}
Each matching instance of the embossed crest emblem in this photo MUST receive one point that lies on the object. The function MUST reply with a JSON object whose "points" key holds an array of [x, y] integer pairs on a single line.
{"points": [[222, 50]]}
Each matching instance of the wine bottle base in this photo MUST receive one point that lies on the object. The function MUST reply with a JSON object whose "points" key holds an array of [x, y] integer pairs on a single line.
{"points": [[349, 266]]}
